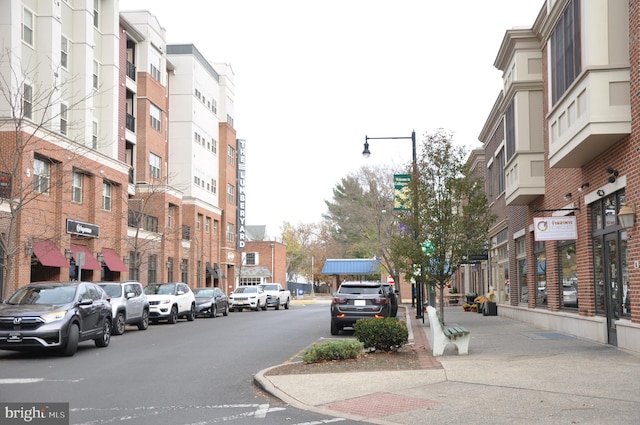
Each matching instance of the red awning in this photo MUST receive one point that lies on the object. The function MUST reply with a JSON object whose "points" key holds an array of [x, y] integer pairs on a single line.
{"points": [[90, 262], [113, 261], [49, 254]]}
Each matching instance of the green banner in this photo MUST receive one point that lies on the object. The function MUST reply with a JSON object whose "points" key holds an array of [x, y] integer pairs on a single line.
{"points": [[401, 199]]}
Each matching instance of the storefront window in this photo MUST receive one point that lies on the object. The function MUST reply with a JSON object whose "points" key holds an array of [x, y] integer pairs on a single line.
{"points": [[521, 271], [539, 251], [568, 274], [598, 263]]}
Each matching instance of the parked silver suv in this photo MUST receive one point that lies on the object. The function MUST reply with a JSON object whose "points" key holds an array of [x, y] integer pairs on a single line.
{"points": [[129, 305]]}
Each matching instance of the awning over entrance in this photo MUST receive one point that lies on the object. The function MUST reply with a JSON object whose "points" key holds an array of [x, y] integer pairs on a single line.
{"points": [[49, 255], [113, 261], [214, 271], [90, 262], [357, 266]]}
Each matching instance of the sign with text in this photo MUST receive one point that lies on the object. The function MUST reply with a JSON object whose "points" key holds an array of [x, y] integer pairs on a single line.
{"points": [[555, 228], [241, 186], [83, 229], [401, 199], [34, 413]]}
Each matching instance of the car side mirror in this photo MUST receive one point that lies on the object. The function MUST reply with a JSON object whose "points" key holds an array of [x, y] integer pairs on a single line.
{"points": [[180, 293], [130, 295], [85, 301]]}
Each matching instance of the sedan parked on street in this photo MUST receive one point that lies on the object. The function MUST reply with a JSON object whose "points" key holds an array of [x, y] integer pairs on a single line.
{"points": [[55, 316], [210, 302], [129, 305]]}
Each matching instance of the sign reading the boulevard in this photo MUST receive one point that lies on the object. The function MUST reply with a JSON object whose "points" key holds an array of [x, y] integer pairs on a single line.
{"points": [[555, 228], [401, 199], [83, 229]]}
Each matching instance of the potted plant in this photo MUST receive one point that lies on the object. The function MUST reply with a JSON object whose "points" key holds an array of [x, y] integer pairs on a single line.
{"points": [[470, 297], [490, 306], [466, 307]]}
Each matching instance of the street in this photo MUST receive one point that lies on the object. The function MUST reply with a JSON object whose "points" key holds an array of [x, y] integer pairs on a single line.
{"points": [[197, 372]]}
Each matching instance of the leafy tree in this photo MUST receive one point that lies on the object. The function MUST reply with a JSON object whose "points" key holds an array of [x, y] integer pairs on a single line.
{"points": [[449, 217]]}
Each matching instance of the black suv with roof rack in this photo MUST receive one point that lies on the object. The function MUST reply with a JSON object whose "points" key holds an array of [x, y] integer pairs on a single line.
{"points": [[358, 300]]}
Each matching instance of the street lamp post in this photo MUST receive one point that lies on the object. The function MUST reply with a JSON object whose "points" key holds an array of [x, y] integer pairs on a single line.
{"points": [[366, 153]]}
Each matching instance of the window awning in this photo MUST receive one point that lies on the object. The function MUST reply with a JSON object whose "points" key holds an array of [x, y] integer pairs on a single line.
{"points": [[90, 262], [49, 255], [356, 266], [113, 261]]}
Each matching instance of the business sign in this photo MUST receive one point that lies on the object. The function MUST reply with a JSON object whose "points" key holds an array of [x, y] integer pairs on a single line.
{"points": [[83, 229], [401, 198], [555, 228], [241, 186]]}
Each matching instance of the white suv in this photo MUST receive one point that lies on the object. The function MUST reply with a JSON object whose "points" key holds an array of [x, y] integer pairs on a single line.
{"points": [[129, 305], [170, 301]]}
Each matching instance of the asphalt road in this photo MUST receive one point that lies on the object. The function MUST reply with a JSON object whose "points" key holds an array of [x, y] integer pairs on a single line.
{"points": [[189, 373]]}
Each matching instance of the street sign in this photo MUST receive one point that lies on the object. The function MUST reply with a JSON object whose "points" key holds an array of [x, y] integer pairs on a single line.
{"points": [[391, 280]]}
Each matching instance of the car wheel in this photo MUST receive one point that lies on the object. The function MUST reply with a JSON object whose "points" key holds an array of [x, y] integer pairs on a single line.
{"points": [[119, 324], [191, 316], [143, 324], [334, 328], [225, 312], [72, 340], [286, 305], [264, 307], [104, 339], [278, 305], [214, 312], [173, 316]]}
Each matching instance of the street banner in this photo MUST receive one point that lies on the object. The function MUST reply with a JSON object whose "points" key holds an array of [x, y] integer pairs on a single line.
{"points": [[555, 228], [401, 199]]}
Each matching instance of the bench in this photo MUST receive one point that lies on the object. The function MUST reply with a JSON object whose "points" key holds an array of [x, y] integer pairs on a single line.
{"points": [[442, 336]]}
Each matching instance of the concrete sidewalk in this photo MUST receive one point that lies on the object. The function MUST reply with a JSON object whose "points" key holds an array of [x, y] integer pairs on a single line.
{"points": [[514, 374]]}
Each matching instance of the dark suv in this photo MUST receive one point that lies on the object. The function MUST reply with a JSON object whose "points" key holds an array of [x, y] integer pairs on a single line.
{"points": [[55, 315], [358, 300]]}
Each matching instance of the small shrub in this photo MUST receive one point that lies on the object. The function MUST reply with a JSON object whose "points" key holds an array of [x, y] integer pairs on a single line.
{"points": [[333, 350], [386, 334]]}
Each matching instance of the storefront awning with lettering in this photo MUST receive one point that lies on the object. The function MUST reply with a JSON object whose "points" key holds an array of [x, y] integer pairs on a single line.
{"points": [[90, 262], [49, 255], [113, 260]]}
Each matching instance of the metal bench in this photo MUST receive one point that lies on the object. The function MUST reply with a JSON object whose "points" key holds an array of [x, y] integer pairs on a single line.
{"points": [[442, 336]]}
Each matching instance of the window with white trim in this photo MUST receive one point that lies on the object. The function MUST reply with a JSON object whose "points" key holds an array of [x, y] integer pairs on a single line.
{"points": [[27, 101], [154, 65], [94, 135], [63, 118], [231, 193], [231, 155], [64, 52], [96, 74], [96, 14], [231, 233], [41, 175], [155, 115], [27, 26], [106, 195], [76, 187], [154, 165]]}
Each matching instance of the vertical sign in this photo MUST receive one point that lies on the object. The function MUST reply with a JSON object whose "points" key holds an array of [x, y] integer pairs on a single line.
{"points": [[401, 200], [241, 182]]}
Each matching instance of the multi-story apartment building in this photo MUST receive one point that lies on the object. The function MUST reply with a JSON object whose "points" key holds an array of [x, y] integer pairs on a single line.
{"points": [[562, 153], [90, 185]]}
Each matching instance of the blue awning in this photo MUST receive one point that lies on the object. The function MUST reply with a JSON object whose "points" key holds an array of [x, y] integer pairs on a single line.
{"points": [[351, 266]]}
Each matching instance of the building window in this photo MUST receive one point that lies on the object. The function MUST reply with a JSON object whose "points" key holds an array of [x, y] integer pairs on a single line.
{"points": [[231, 155], [199, 274], [41, 175], [214, 186], [215, 227], [500, 171], [568, 274], [106, 195], [170, 269], [96, 15], [199, 222], [96, 73], [170, 215], [154, 65], [207, 224], [64, 52], [27, 27], [76, 187], [154, 112], [214, 146], [539, 252], [63, 118], [230, 193], [521, 270], [184, 269], [491, 183], [27, 101], [566, 63], [134, 265], [510, 130], [154, 166], [152, 267], [231, 233], [250, 259], [94, 135]]}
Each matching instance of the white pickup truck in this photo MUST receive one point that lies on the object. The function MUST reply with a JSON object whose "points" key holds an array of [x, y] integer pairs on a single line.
{"points": [[276, 295], [253, 297]]}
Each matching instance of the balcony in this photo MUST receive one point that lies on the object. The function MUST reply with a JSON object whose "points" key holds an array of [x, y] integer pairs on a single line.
{"points": [[524, 177], [590, 118], [131, 71], [130, 123]]}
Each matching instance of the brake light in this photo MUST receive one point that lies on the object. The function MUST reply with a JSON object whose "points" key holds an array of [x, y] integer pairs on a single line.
{"points": [[340, 316], [381, 301], [338, 300], [379, 316]]}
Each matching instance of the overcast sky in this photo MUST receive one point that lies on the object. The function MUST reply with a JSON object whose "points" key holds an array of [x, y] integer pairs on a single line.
{"points": [[313, 77]]}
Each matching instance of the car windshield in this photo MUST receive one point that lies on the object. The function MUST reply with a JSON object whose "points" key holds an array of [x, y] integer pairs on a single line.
{"points": [[47, 295], [161, 289], [372, 290], [270, 287], [114, 291], [203, 293], [247, 290]]}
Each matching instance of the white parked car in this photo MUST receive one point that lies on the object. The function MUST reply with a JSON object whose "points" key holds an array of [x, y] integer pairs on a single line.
{"points": [[170, 301], [251, 296], [129, 305]]}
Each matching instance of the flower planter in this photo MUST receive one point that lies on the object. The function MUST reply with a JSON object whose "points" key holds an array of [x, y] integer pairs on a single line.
{"points": [[490, 309]]}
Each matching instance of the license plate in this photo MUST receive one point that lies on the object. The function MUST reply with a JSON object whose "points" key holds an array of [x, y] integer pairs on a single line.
{"points": [[359, 303], [14, 338]]}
